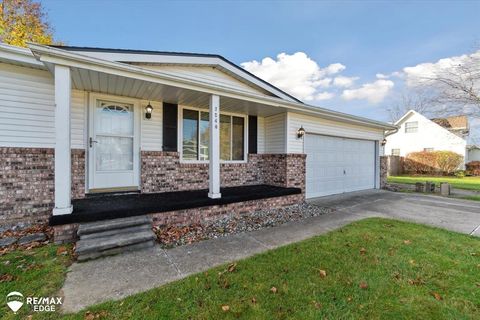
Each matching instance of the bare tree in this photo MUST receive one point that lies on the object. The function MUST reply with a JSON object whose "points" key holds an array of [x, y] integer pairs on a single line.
{"points": [[416, 100]]}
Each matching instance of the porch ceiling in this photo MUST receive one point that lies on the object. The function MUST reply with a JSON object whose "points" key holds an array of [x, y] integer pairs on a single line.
{"points": [[94, 81]]}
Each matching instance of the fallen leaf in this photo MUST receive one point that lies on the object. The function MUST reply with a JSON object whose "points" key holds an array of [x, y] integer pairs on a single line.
{"points": [[396, 275], [89, 316], [407, 242], [349, 299], [437, 296], [363, 285], [477, 284], [232, 267], [254, 301], [274, 290], [62, 251], [225, 308], [412, 262], [323, 273], [6, 277], [363, 251], [317, 305]]}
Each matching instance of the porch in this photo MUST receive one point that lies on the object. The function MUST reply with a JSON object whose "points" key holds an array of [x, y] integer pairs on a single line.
{"points": [[105, 207]]}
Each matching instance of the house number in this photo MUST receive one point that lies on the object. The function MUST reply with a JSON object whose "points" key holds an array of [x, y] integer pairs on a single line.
{"points": [[215, 117]]}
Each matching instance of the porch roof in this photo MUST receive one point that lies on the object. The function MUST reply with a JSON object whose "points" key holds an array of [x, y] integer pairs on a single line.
{"points": [[104, 207], [99, 75]]}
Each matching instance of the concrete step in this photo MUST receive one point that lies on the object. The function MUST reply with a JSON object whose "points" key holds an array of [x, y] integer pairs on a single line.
{"points": [[114, 232], [105, 225], [117, 250], [115, 241]]}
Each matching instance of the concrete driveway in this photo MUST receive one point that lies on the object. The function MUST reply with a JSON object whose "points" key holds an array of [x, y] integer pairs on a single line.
{"points": [[451, 214], [116, 277]]}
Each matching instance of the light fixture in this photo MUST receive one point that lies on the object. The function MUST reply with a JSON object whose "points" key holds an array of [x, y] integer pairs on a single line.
{"points": [[383, 142], [148, 111], [300, 132]]}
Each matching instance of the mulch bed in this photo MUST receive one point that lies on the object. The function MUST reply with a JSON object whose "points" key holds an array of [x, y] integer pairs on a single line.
{"points": [[172, 236]]}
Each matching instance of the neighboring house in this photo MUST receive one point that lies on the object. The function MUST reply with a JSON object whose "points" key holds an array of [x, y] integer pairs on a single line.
{"points": [[473, 153], [418, 133], [77, 121]]}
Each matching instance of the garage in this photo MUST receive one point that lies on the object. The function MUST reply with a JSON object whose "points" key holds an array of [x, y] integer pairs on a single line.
{"points": [[337, 165]]}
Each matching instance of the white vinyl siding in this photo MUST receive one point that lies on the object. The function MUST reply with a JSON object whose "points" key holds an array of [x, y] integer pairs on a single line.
{"points": [[325, 127], [27, 109], [152, 133], [275, 133], [209, 75], [260, 135]]}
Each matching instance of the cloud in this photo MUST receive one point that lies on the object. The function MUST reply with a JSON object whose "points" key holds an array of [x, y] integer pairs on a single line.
{"points": [[373, 92], [342, 81], [423, 72], [297, 74], [324, 95]]}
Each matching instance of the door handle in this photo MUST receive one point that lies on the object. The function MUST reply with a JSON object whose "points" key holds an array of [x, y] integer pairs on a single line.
{"points": [[92, 142]]}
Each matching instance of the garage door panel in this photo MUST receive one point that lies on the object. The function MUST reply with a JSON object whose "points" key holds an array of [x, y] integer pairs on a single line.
{"points": [[337, 165]]}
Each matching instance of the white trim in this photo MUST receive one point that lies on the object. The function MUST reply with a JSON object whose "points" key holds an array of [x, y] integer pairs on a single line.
{"points": [[93, 98], [63, 172], [50, 55], [23, 56], [214, 148], [180, 135]]}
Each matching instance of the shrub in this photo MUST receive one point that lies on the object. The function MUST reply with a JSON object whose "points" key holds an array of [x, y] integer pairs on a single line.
{"points": [[432, 162], [460, 174], [473, 168]]}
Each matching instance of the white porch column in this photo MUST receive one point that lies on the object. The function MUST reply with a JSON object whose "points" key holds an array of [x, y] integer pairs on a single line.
{"points": [[214, 149], [63, 172]]}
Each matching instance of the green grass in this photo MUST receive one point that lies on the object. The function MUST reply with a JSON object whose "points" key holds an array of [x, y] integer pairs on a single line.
{"points": [[36, 272], [468, 183], [402, 278], [474, 198]]}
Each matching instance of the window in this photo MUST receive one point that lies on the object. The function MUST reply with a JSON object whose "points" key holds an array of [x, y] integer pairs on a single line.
{"points": [[411, 127], [196, 136], [395, 152], [428, 149]]}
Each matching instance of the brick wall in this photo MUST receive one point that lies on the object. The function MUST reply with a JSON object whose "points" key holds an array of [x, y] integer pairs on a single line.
{"points": [[162, 171], [383, 171], [27, 183]]}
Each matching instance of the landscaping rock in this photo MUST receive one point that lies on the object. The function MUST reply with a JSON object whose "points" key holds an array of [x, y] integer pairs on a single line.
{"points": [[32, 237], [5, 242]]}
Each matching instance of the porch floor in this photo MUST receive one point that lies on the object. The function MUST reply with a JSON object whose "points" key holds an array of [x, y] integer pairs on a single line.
{"points": [[120, 206]]}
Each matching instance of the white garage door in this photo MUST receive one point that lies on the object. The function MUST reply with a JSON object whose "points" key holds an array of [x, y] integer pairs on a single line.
{"points": [[337, 165]]}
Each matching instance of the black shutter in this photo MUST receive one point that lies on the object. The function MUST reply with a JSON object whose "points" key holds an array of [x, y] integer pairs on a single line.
{"points": [[170, 120], [252, 134]]}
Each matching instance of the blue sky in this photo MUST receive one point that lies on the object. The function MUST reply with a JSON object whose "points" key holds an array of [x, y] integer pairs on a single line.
{"points": [[366, 38]]}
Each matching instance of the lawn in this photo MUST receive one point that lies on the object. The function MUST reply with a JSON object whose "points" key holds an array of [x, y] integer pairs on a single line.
{"points": [[370, 269], [36, 272], [469, 183]]}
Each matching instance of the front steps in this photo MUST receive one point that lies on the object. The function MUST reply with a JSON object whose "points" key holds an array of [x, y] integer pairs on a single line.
{"points": [[109, 237]]}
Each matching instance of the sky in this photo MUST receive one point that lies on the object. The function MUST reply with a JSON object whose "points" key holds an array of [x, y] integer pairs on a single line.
{"points": [[348, 56]]}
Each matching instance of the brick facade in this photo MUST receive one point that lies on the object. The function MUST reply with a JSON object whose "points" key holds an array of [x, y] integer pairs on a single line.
{"points": [[383, 171], [163, 171], [68, 232], [27, 183]]}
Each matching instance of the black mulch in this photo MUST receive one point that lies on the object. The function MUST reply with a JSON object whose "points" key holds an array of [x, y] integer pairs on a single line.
{"points": [[121, 206]]}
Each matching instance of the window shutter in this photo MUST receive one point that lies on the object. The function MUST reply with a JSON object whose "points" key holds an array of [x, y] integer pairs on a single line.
{"points": [[252, 134], [170, 122]]}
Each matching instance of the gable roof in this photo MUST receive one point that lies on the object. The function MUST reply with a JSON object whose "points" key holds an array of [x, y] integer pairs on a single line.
{"points": [[452, 123], [181, 58]]}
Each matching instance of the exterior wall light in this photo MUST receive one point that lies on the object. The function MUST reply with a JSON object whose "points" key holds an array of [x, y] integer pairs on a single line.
{"points": [[148, 111], [383, 142], [300, 132]]}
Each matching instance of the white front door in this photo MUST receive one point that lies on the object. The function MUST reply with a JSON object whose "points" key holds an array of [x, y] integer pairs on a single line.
{"points": [[338, 165], [113, 145]]}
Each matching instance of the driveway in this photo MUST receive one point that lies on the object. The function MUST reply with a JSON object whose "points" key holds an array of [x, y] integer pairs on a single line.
{"points": [[451, 214], [116, 277]]}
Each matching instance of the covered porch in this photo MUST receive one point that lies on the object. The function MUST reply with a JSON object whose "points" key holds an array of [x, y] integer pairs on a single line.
{"points": [[165, 178]]}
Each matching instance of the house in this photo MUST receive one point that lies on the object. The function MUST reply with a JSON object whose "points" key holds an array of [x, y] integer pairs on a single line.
{"points": [[418, 133], [473, 153], [186, 136]]}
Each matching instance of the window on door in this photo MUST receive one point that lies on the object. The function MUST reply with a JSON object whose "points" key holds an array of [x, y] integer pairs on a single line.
{"points": [[196, 137], [395, 152]]}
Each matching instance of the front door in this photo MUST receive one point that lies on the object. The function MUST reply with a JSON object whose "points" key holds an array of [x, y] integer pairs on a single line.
{"points": [[113, 145]]}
